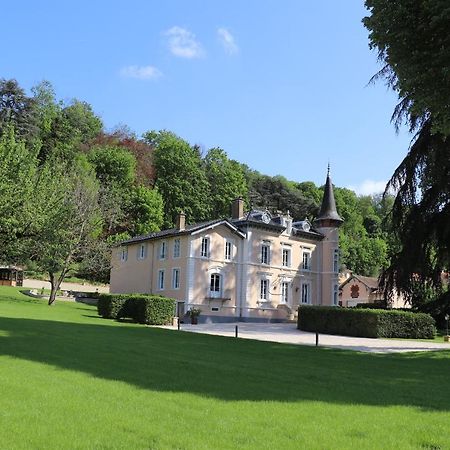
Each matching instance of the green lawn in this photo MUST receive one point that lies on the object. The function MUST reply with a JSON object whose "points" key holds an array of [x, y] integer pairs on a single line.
{"points": [[72, 380]]}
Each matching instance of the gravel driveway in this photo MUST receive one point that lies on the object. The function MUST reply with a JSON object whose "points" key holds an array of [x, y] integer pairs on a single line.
{"points": [[288, 333]]}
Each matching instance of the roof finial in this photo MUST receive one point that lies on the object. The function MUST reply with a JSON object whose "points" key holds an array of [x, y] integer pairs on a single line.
{"points": [[328, 169]]}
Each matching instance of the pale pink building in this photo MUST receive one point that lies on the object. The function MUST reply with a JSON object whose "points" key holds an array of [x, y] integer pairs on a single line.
{"points": [[253, 266]]}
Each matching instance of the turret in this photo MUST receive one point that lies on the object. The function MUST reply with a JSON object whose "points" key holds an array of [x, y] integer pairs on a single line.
{"points": [[328, 222]]}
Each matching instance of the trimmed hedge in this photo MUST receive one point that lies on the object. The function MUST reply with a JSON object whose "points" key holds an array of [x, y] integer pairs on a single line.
{"points": [[373, 323], [148, 309]]}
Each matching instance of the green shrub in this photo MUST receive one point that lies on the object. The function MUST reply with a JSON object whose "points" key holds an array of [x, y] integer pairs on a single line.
{"points": [[112, 306], [361, 322], [149, 309], [378, 305], [154, 310]]}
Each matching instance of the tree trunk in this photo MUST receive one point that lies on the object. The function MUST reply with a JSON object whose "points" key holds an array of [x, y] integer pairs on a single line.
{"points": [[55, 283]]}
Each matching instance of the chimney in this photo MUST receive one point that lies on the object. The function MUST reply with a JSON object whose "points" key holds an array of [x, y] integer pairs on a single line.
{"points": [[237, 208], [181, 221]]}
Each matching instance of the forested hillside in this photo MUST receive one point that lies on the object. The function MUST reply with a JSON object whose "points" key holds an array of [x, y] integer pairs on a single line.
{"points": [[69, 189]]}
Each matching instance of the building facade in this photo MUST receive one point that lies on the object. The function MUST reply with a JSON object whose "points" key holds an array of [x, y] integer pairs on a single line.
{"points": [[252, 267]]}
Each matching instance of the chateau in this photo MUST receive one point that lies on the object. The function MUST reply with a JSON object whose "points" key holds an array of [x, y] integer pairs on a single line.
{"points": [[253, 266]]}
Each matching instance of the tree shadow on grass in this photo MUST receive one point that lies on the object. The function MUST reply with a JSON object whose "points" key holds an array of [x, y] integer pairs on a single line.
{"points": [[229, 368]]}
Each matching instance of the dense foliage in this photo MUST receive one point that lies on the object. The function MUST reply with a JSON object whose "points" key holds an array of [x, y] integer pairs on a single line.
{"points": [[413, 43], [146, 309], [372, 323]]}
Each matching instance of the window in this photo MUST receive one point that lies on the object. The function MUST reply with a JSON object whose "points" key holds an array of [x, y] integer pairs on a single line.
{"points": [[228, 250], [205, 248], [124, 254], [142, 252], [335, 295], [264, 290], [176, 278], [265, 254], [306, 293], [336, 261], [161, 280], [306, 265], [162, 250], [176, 248], [285, 292], [214, 285], [286, 257]]}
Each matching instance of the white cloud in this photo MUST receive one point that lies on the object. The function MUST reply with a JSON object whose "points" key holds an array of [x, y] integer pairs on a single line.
{"points": [[183, 43], [140, 72], [368, 187], [227, 41]]}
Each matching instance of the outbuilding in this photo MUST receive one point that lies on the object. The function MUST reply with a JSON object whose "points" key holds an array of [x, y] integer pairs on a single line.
{"points": [[11, 276]]}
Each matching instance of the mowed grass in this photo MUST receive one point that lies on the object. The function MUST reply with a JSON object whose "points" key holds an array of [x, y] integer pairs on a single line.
{"points": [[69, 379]]}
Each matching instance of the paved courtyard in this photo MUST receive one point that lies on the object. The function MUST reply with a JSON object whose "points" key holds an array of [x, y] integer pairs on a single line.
{"points": [[288, 333]]}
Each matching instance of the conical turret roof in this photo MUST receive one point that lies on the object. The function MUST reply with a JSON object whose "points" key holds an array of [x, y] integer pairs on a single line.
{"points": [[328, 211]]}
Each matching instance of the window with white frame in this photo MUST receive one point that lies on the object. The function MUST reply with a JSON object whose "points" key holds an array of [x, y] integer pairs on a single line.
{"points": [[264, 290], [265, 254], [285, 292], [176, 248], [306, 293], [306, 261], [162, 250], [142, 251], [335, 295], [204, 252], [161, 280], [286, 257], [215, 285], [228, 250], [124, 254], [175, 278], [336, 261]]}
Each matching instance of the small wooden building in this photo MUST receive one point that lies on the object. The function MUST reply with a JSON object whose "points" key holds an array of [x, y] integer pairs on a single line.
{"points": [[11, 276]]}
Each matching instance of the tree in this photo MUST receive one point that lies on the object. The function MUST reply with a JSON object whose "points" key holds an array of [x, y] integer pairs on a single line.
{"points": [[413, 43], [226, 182], [67, 202], [18, 175], [17, 110], [74, 126], [180, 177], [276, 193]]}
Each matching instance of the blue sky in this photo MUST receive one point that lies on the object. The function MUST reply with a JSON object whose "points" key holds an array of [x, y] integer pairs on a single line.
{"points": [[280, 86]]}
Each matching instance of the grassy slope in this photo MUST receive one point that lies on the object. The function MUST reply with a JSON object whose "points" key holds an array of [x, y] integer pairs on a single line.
{"points": [[72, 380]]}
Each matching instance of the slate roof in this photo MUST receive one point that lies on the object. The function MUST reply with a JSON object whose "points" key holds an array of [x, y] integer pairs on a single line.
{"points": [[328, 209], [235, 224], [189, 229], [370, 282]]}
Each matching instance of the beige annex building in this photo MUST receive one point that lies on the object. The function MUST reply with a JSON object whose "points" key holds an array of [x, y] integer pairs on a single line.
{"points": [[251, 267]]}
